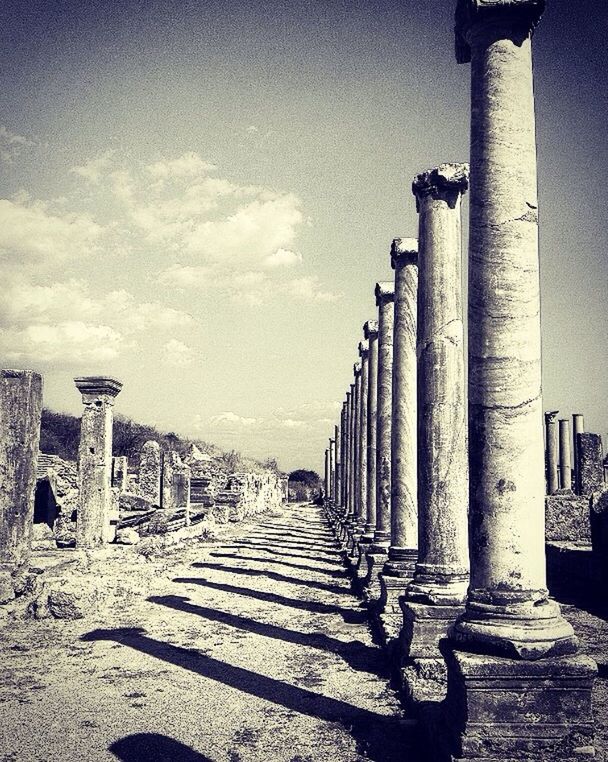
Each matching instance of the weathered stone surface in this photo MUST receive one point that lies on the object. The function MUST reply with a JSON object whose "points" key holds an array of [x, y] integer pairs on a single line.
{"points": [[65, 605], [499, 709], [126, 536], [551, 451], [176, 483], [590, 462], [120, 472], [150, 472], [20, 411], [370, 331], [128, 501], [404, 480], [567, 517], [93, 526], [424, 680], [565, 455]]}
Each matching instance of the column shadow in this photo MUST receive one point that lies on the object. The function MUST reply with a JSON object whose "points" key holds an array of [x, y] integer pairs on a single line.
{"points": [[154, 747], [248, 572], [339, 574], [312, 556], [313, 549], [316, 607], [379, 737], [359, 656]]}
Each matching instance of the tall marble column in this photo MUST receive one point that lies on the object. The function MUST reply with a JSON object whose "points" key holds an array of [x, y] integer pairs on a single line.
{"points": [[378, 552], [20, 411], [95, 460], [351, 462], [436, 595], [359, 558], [551, 451], [403, 551], [565, 455], [326, 475], [578, 427], [353, 534], [332, 476], [338, 455], [509, 662], [370, 331]]}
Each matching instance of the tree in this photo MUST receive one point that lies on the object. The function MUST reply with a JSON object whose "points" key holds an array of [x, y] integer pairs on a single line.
{"points": [[309, 478]]}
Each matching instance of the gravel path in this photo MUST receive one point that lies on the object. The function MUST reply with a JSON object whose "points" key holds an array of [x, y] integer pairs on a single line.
{"points": [[249, 648]]}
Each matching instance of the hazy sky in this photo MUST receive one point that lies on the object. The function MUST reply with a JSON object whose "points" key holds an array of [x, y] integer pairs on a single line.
{"points": [[198, 198]]}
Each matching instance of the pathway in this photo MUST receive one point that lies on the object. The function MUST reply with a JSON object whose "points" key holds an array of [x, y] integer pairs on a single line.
{"points": [[251, 648]]}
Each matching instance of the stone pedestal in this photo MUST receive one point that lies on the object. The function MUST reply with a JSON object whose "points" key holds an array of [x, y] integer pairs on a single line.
{"points": [[150, 472], [501, 709], [93, 527], [20, 411]]}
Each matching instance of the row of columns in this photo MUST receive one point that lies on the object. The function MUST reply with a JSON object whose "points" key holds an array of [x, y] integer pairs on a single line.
{"points": [[562, 470], [454, 529]]}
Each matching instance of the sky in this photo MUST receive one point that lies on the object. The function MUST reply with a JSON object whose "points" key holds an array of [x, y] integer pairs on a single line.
{"points": [[198, 198]]}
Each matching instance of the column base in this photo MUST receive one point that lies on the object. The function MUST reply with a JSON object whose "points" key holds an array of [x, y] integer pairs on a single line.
{"points": [[532, 628], [376, 558], [388, 610], [500, 709], [424, 626]]}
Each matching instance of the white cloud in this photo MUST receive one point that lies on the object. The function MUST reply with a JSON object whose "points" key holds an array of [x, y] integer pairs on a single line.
{"points": [[71, 342], [308, 289], [190, 164], [31, 234], [177, 354], [282, 258], [94, 169], [11, 144], [230, 420]]}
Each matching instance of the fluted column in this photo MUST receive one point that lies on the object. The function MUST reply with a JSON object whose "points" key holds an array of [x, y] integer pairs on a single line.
{"points": [[506, 665], [551, 451]]}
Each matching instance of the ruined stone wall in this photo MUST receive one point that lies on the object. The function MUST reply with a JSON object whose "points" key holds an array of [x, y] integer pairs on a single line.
{"points": [[248, 494]]}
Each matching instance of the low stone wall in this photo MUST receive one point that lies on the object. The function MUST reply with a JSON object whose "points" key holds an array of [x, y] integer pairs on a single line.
{"points": [[247, 494], [567, 518]]}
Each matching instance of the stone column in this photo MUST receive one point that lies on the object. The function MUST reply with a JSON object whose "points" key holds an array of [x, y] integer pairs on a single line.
{"points": [[502, 670], [326, 475], [370, 331], [332, 466], [150, 468], [95, 460], [361, 548], [20, 411], [578, 427], [551, 451], [565, 462], [351, 457], [436, 595], [378, 552], [356, 518], [120, 471], [346, 470], [403, 550], [338, 455]]}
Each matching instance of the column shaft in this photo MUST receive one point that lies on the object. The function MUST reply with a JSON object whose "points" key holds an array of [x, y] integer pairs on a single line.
{"points": [[565, 456], [357, 446], [363, 402], [551, 452], [371, 334], [332, 466], [337, 477], [578, 427]]}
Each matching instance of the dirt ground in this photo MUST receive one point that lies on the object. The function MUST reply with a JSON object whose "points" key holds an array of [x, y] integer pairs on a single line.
{"points": [[248, 647]]}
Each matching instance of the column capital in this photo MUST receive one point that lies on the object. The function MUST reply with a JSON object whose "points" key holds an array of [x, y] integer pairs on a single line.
{"points": [[385, 292], [370, 329], [363, 349], [446, 182], [550, 416], [404, 251], [357, 369], [514, 13], [98, 385]]}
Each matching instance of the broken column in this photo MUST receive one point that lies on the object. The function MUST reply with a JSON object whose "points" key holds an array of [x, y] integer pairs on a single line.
{"points": [[176, 483], [403, 551], [20, 411], [150, 467], [93, 527], [551, 451], [565, 464], [437, 593], [120, 472], [578, 427], [378, 551], [515, 689]]}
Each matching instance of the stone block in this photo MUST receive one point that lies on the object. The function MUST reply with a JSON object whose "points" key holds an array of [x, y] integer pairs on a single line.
{"points": [[567, 518], [424, 680], [507, 709], [424, 627], [388, 610]]}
